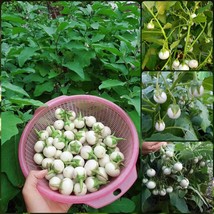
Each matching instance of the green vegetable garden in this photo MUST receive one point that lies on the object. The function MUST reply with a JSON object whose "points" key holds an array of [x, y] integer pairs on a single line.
{"points": [[151, 61]]}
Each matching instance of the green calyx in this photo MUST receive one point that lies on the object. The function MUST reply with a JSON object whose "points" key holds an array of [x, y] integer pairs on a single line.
{"points": [[175, 108]]}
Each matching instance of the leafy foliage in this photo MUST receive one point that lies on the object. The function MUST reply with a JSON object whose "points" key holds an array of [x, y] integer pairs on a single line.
{"points": [[195, 122], [193, 199], [64, 48], [182, 27]]}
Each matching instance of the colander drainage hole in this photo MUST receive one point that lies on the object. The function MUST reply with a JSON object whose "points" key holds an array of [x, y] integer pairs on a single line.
{"points": [[117, 192]]}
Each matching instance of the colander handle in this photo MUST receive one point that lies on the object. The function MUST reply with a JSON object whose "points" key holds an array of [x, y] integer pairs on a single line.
{"points": [[110, 197], [49, 103]]}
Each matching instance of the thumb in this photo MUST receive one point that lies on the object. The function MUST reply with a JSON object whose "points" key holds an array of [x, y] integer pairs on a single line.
{"points": [[34, 176], [158, 145]]}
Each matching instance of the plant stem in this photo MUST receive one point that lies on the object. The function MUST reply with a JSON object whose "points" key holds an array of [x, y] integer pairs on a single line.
{"points": [[159, 24], [149, 102], [177, 80], [148, 110], [205, 61]]}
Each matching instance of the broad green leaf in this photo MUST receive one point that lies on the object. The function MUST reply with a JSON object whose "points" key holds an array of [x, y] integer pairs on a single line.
{"points": [[12, 18], [108, 97], [164, 137], [49, 30], [202, 9], [24, 102], [136, 120], [200, 18], [156, 39], [97, 37], [185, 123], [151, 51], [95, 25], [62, 26], [167, 25], [25, 55], [5, 48], [10, 162], [45, 87], [76, 67], [174, 44], [149, 4], [108, 47], [8, 191], [178, 202], [111, 83], [204, 115], [84, 57], [208, 83], [23, 70], [145, 195], [135, 101], [14, 88], [163, 6], [146, 123], [122, 205], [9, 125], [116, 67], [17, 30], [43, 68], [199, 194]]}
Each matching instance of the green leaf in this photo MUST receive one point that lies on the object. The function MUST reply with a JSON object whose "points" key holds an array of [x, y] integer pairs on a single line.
{"points": [[204, 115], [149, 4], [17, 30], [23, 70], [108, 47], [49, 30], [95, 25], [24, 102], [97, 37], [25, 55], [184, 122], [8, 191], [135, 101], [208, 83], [167, 25], [116, 67], [174, 44], [135, 119], [178, 202], [62, 26], [14, 88], [122, 205], [9, 125], [76, 67], [145, 195], [199, 194], [111, 83], [163, 6], [10, 162], [200, 18], [40, 89], [12, 18], [164, 137]]}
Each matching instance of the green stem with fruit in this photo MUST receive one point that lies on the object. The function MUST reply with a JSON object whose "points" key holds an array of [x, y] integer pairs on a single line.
{"points": [[159, 24]]}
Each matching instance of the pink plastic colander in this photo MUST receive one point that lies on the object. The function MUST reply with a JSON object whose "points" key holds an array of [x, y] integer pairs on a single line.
{"points": [[110, 115]]}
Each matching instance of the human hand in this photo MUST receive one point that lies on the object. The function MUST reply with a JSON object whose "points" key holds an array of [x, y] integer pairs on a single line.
{"points": [[35, 202], [149, 147]]}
